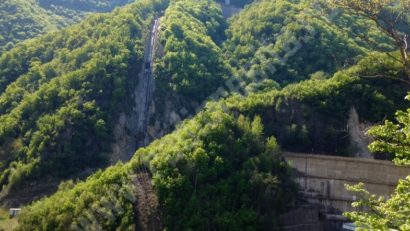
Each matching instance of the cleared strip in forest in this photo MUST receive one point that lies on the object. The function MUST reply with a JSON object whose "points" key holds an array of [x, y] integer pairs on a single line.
{"points": [[145, 87]]}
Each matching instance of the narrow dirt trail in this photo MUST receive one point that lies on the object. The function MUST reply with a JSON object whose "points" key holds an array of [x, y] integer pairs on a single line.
{"points": [[147, 213]]}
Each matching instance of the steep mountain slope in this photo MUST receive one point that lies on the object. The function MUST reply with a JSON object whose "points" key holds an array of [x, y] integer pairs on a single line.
{"points": [[269, 44], [220, 169], [219, 160], [84, 5], [66, 93], [237, 3], [62, 93], [312, 116], [288, 41], [24, 19], [216, 172], [192, 65]]}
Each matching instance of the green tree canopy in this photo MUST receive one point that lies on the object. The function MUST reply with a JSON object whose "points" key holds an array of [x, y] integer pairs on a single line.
{"points": [[193, 64], [25, 19], [217, 171], [381, 214], [393, 138], [392, 17]]}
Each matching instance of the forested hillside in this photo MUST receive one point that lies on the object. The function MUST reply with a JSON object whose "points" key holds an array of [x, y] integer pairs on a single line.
{"points": [[61, 94], [311, 116], [252, 55], [324, 41], [200, 169], [192, 65], [206, 174], [24, 19], [281, 75], [84, 5]]}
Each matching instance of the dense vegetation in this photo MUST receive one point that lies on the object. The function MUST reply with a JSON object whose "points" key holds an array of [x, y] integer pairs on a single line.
{"points": [[208, 172], [219, 172], [107, 193], [289, 41], [237, 3], [84, 5], [311, 116], [378, 213], [221, 169], [382, 214], [192, 65], [393, 138], [216, 172], [24, 19], [21, 19], [61, 92], [392, 18]]}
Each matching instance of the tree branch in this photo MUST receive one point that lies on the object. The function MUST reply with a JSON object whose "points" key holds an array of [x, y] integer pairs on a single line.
{"points": [[385, 77]]}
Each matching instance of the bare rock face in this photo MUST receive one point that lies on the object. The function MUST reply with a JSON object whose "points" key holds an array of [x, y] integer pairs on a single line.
{"points": [[130, 131], [125, 141], [357, 134]]}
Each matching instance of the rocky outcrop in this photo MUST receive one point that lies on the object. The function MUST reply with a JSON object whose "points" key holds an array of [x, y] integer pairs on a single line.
{"points": [[130, 131], [358, 138]]}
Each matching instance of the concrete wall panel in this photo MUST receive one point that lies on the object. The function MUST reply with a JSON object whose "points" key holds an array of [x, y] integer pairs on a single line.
{"points": [[322, 178]]}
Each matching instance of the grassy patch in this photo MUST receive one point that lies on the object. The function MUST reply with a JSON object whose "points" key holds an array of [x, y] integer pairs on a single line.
{"points": [[5, 222]]}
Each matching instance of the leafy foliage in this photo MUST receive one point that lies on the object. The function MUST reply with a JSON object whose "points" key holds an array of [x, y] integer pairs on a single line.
{"points": [[103, 202], [60, 93], [287, 41], [393, 138], [392, 18], [85, 5], [222, 169], [216, 171], [377, 213], [192, 65], [312, 115], [24, 19], [238, 3], [382, 214]]}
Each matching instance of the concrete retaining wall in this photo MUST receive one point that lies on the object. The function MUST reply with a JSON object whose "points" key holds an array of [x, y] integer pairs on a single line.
{"points": [[302, 219], [322, 178]]}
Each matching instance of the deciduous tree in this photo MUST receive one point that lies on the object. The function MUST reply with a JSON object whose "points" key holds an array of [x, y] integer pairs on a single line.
{"points": [[381, 214], [391, 16]]}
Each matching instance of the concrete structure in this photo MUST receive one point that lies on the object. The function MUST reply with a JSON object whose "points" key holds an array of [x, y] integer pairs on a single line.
{"points": [[13, 212], [322, 179], [307, 219]]}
